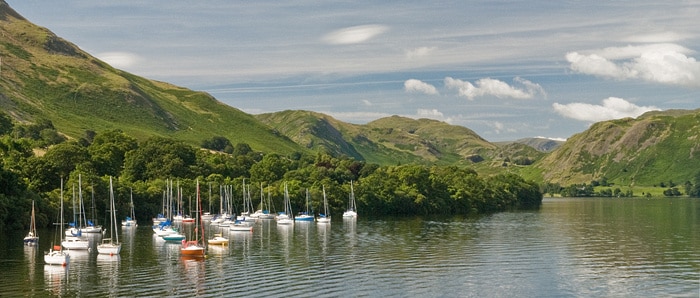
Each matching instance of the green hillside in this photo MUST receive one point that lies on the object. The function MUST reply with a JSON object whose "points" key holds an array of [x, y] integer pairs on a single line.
{"points": [[390, 140], [656, 147], [44, 77]]}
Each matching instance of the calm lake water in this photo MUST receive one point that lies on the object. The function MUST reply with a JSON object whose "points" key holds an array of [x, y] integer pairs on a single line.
{"points": [[568, 248]]}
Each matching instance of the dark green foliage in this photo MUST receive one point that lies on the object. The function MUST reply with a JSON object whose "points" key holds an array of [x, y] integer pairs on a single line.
{"points": [[6, 124], [672, 192], [139, 169], [108, 151], [159, 158], [218, 143], [693, 189]]}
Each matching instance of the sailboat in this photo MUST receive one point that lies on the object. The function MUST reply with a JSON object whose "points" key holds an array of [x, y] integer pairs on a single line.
{"points": [[56, 255], [352, 208], [90, 227], [324, 217], [130, 220], [74, 240], [195, 247], [32, 237], [111, 245], [246, 216], [284, 218], [218, 239], [264, 212], [305, 215]]}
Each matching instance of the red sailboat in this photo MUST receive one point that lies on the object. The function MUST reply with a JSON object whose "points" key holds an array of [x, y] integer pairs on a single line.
{"points": [[195, 247]]}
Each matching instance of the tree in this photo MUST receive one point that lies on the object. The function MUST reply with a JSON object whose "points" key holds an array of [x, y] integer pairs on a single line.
{"points": [[6, 124], [271, 168], [159, 158], [108, 151], [242, 149], [218, 143], [65, 157]]}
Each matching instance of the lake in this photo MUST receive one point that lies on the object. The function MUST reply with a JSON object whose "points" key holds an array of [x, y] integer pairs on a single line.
{"points": [[595, 247]]}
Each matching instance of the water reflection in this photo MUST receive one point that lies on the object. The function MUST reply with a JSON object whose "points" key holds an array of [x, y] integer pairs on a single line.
{"points": [[218, 250], [569, 248], [55, 279], [108, 270], [193, 270]]}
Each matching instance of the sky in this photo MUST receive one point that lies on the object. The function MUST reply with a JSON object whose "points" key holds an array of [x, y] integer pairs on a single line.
{"points": [[505, 69]]}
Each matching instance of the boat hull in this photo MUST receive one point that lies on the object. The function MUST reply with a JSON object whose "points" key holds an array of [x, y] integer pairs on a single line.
{"points": [[286, 221], [304, 218], [241, 228], [57, 257], [128, 223], [173, 237], [216, 241], [192, 249], [31, 240], [75, 243], [109, 249]]}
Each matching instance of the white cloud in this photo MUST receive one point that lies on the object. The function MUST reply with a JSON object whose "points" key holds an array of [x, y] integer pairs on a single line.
{"points": [[612, 108], [353, 35], [427, 113], [492, 87], [119, 59], [419, 52], [417, 86], [432, 114], [367, 102], [550, 138], [661, 63]]}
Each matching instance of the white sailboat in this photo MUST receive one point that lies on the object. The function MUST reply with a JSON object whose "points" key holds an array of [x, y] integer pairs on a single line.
{"points": [[130, 221], [56, 255], [73, 240], [267, 212], [305, 215], [111, 245], [32, 237], [351, 212], [285, 218], [325, 217]]}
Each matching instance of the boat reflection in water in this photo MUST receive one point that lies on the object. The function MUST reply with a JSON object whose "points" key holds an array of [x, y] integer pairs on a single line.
{"points": [[194, 272], [56, 279], [108, 270]]}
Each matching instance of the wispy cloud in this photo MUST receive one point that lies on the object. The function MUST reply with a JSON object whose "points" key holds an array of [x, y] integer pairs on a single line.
{"points": [[493, 87], [664, 63], [417, 86], [612, 108], [419, 52], [353, 35], [550, 138], [657, 37]]}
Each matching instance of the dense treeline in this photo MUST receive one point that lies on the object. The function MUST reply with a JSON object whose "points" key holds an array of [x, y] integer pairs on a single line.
{"points": [[142, 169]]}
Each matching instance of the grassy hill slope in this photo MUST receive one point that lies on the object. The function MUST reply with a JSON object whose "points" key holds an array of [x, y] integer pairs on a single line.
{"points": [[656, 147], [390, 140], [46, 77]]}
